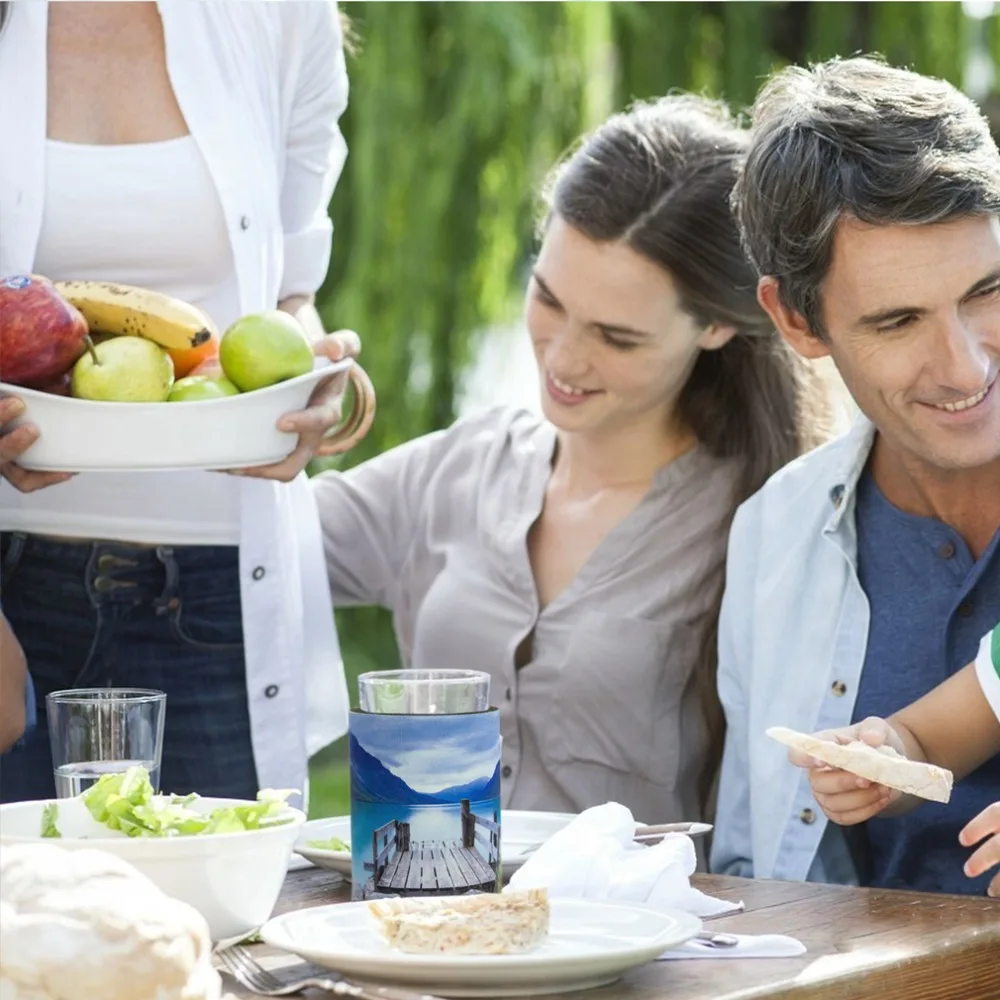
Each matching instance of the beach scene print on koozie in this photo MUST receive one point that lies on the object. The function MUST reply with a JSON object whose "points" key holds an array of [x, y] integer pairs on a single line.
{"points": [[425, 804]]}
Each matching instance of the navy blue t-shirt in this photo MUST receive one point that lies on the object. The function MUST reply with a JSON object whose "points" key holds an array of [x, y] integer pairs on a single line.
{"points": [[931, 604]]}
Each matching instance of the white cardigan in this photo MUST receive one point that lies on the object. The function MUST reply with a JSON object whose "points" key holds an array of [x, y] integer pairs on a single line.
{"points": [[261, 86]]}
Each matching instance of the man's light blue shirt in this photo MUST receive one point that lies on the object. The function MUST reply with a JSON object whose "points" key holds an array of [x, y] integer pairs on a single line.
{"points": [[792, 638]]}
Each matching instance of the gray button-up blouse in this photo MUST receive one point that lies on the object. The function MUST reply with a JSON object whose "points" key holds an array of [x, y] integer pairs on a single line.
{"points": [[606, 708]]}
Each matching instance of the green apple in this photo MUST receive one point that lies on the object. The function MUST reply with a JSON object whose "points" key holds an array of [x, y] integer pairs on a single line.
{"points": [[193, 387], [124, 370], [263, 349]]}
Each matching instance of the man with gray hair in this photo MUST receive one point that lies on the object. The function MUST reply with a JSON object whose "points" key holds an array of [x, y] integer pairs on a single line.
{"points": [[866, 572]]}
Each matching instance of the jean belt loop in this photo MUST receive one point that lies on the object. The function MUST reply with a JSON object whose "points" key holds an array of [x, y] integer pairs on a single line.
{"points": [[170, 597]]}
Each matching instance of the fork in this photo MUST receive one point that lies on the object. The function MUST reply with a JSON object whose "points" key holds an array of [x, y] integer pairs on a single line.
{"points": [[238, 962], [718, 940]]}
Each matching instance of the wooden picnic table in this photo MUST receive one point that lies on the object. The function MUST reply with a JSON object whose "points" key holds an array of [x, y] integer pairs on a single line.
{"points": [[862, 943]]}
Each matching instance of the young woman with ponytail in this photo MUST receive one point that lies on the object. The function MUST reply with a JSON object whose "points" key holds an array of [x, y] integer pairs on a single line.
{"points": [[578, 556]]}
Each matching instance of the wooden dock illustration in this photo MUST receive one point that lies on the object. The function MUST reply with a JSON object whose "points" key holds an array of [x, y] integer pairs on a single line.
{"points": [[471, 861]]}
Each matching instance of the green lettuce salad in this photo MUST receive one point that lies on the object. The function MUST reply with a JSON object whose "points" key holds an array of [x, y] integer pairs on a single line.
{"points": [[49, 816], [332, 844], [126, 802]]}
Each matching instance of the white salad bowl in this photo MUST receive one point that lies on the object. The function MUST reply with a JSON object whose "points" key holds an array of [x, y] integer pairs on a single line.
{"points": [[81, 435], [231, 879]]}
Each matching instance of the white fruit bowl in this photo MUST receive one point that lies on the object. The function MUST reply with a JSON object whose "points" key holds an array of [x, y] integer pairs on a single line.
{"points": [[80, 435], [231, 879]]}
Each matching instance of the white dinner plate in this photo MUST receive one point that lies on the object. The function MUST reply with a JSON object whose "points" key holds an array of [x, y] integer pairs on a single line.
{"points": [[590, 944], [519, 831]]}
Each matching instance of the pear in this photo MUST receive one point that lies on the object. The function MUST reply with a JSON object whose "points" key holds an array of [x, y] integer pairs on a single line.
{"points": [[124, 370]]}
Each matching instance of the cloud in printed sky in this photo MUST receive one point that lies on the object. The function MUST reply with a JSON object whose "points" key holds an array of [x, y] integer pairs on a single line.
{"points": [[463, 749]]}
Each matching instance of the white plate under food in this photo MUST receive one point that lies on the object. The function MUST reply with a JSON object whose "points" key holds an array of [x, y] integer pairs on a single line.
{"points": [[82, 435], [590, 944], [519, 832]]}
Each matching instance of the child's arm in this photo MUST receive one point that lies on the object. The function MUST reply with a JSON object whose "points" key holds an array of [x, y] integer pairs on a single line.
{"points": [[13, 678], [987, 823], [954, 726]]}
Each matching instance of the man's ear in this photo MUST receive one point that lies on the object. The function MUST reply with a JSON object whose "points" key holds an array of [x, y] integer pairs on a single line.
{"points": [[715, 336], [790, 324]]}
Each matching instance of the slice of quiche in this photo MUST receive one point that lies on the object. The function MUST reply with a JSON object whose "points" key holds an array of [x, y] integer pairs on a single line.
{"points": [[484, 924]]}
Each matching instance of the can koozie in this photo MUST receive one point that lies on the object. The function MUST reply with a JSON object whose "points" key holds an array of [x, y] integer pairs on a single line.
{"points": [[425, 804]]}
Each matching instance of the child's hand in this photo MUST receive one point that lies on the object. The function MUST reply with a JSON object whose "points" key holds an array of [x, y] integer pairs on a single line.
{"points": [[986, 824], [845, 798]]}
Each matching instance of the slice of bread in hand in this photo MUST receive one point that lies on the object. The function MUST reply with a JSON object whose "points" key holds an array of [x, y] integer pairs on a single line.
{"points": [[882, 765]]}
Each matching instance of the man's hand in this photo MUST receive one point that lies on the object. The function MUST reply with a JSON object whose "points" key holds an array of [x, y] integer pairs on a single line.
{"points": [[14, 443], [845, 798], [322, 414], [987, 856]]}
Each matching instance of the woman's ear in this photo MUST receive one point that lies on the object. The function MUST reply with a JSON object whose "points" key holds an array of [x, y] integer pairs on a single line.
{"points": [[715, 336]]}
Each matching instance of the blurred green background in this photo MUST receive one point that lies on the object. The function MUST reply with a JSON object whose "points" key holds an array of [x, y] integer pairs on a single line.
{"points": [[457, 110]]}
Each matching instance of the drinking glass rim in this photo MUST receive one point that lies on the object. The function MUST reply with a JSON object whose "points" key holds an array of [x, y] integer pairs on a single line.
{"points": [[425, 676], [106, 696]]}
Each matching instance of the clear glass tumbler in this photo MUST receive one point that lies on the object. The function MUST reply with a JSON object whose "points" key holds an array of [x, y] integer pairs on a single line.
{"points": [[97, 731], [424, 692]]}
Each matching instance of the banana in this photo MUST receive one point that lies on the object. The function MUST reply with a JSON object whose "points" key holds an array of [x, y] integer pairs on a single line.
{"points": [[138, 312]]}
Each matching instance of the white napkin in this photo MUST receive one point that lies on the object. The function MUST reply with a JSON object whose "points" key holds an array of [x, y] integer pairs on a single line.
{"points": [[595, 857], [747, 946]]}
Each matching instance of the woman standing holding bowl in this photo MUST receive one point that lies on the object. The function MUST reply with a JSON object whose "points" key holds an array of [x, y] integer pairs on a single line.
{"points": [[190, 148], [578, 557]]}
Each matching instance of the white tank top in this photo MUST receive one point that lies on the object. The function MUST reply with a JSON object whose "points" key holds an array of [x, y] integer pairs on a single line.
{"points": [[143, 214]]}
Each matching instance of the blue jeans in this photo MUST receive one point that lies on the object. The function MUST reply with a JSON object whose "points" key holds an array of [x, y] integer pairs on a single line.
{"points": [[97, 614]]}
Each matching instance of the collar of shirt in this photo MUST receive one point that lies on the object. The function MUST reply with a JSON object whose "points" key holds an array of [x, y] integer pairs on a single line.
{"points": [[846, 471]]}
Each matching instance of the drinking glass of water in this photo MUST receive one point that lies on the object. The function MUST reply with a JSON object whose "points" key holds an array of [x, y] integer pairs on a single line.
{"points": [[424, 692], [97, 731]]}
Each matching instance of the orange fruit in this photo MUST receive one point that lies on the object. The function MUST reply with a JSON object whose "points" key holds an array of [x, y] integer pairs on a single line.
{"points": [[188, 359]]}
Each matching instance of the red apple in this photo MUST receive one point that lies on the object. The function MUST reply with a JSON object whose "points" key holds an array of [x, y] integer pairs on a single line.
{"points": [[211, 367], [41, 334], [59, 386]]}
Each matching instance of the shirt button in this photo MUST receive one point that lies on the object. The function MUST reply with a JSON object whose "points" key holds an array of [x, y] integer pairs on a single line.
{"points": [[966, 608], [807, 816], [946, 550], [271, 690], [506, 771], [244, 222], [258, 573], [839, 688]]}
